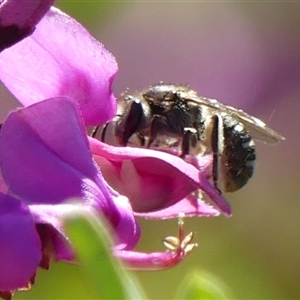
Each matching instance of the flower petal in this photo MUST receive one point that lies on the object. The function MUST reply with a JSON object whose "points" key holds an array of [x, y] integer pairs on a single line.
{"points": [[20, 246], [3, 186], [190, 206], [150, 179], [72, 63], [127, 229], [149, 261], [45, 159], [18, 19], [154, 180]]}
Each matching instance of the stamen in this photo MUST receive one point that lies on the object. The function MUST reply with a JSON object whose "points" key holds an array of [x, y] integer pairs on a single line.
{"points": [[181, 245]]}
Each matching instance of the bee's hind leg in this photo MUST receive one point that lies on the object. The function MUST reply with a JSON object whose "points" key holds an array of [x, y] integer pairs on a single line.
{"points": [[189, 140]]}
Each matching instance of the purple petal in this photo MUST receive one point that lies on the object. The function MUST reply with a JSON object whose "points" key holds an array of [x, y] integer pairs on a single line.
{"points": [[3, 186], [18, 19], [190, 206], [154, 180], [150, 179], [45, 159], [149, 261], [70, 63], [128, 230], [53, 216], [214, 195], [20, 246]]}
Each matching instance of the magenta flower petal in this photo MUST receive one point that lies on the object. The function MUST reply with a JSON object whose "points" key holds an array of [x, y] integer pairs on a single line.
{"points": [[155, 180], [127, 228], [3, 186], [177, 249], [150, 179], [19, 18], [149, 261], [53, 216], [70, 63], [20, 247], [190, 206], [49, 168], [45, 159]]}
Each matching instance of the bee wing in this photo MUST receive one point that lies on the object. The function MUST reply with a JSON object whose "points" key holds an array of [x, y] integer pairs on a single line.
{"points": [[257, 128]]}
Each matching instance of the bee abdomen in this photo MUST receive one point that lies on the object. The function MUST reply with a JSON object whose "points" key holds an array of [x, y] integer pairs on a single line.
{"points": [[238, 157]]}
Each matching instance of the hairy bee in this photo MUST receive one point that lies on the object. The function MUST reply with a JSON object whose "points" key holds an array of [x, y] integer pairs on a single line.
{"points": [[167, 115]]}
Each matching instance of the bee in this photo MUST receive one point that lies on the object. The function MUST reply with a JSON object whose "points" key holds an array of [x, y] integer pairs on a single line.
{"points": [[174, 116]]}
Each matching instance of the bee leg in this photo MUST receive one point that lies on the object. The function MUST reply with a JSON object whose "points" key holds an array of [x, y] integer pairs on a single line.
{"points": [[142, 139], [215, 146], [94, 131], [103, 132], [189, 140], [155, 126], [133, 121]]}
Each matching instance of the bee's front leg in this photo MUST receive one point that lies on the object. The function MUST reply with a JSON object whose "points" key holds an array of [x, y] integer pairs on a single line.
{"points": [[155, 128]]}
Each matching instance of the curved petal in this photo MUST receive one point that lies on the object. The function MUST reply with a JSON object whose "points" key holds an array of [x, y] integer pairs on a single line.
{"points": [[149, 261], [150, 179], [18, 19], [178, 248], [53, 217], [190, 206], [44, 153], [72, 63], [20, 246], [155, 180], [128, 230], [45, 159], [3, 186]]}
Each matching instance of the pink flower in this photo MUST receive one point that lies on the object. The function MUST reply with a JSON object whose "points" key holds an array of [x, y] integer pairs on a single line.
{"points": [[47, 174], [49, 165]]}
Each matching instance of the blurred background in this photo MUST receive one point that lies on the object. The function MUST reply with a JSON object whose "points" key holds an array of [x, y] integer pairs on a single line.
{"points": [[245, 54]]}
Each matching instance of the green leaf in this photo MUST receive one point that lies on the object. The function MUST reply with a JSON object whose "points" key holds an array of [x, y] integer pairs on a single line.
{"points": [[103, 275], [202, 286]]}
